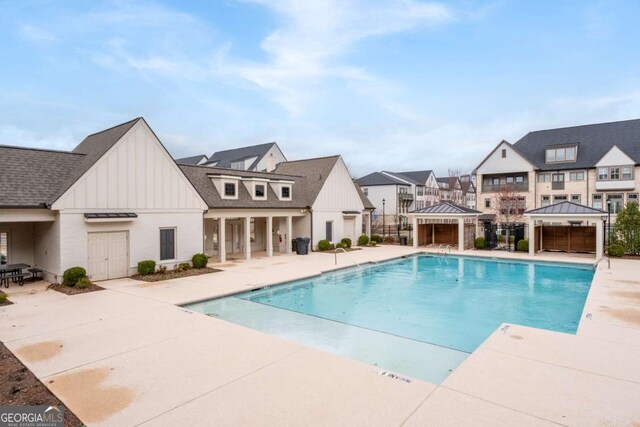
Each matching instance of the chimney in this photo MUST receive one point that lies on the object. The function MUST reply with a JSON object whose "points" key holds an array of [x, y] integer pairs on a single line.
{"points": [[271, 163]]}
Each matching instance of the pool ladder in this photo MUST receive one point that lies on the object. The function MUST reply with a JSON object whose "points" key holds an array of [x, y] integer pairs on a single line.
{"points": [[347, 253], [595, 266], [444, 248]]}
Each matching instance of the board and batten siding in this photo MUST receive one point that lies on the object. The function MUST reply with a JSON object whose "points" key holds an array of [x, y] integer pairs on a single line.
{"points": [[136, 173], [337, 195]]}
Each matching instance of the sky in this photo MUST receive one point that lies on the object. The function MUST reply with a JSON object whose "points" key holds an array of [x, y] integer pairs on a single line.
{"points": [[390, 85]]}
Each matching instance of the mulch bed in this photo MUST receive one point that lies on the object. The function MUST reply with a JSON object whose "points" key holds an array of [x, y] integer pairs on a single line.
{"points": [[71, 290], [157, 277], [19, 387]]}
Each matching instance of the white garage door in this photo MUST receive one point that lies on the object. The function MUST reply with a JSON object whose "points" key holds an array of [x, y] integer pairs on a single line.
{"points": [[350, 229], [108, 255]]}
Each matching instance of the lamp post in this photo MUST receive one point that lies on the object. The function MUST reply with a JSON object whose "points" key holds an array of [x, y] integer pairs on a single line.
{"points": [[383, 235], [608, 224]]}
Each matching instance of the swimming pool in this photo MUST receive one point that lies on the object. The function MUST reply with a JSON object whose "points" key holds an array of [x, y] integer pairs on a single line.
{"points": [[420, 316]]}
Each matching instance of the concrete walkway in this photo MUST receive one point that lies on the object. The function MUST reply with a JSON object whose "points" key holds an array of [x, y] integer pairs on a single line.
{"points": [[128, 356]]}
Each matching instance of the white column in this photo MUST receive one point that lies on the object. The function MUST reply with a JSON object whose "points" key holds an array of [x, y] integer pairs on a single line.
{"points": [[269, 236], [289, 238], [222, 240], [532, 236], [460, 234], [599, 240], [415, 231], [368, 225], [247, 238]]}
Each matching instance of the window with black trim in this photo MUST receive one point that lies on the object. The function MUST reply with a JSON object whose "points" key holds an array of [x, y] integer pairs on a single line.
{"points": [[260, 190], [167, 243], [285, 192], [229, 189]]}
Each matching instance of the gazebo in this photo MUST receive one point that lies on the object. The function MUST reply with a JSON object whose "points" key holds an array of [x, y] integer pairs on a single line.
{"points": [[444, 223], [566, 226]]}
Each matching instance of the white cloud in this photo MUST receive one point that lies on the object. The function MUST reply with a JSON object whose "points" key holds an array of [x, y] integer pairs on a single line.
{"points": [[314, 36], [36, 35]]}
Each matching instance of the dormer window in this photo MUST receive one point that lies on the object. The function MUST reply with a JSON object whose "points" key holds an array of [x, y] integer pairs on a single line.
{"points": [[237, 165], [260, 191], [230, 189], [561, 154], [285, 192]]}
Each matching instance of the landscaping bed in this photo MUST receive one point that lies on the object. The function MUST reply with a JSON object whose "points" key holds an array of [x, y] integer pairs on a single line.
{"points": [[4, 300], [72, 290], [19, 387], [339, 251], [173, 274]]}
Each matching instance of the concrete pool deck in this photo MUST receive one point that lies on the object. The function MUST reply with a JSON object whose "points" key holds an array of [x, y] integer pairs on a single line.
{"points": [[128, 356]]}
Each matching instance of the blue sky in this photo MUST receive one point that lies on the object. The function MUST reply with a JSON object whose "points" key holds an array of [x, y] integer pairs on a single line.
{"points": [[395, 85]]}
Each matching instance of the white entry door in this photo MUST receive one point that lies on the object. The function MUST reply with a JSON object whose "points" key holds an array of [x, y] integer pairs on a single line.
{"points": [[350, 229], [108, 255]]}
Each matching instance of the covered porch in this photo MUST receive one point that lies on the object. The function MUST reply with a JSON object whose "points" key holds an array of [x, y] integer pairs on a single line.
{"points": [[444, 223], [25, 236], [566, 227], [246, 233]]}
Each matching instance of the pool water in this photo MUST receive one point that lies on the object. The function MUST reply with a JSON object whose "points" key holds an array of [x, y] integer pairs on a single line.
{"points": [[420, 316]]}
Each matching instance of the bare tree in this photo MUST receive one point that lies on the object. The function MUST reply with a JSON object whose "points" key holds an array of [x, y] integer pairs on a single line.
{"points": [[509, 205], [454, 179]]}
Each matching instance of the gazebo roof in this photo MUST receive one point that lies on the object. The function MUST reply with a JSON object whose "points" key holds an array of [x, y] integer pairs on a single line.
{"points": [[566, 208], [446, 208]]}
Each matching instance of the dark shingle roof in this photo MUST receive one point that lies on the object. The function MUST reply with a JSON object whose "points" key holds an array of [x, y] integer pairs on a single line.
{"points": [[467, 187], [447, 208], [377, 178], [566, 208], [200, 178], [593, 141], [316, 171], [32, 177], [223, 159], [415, 177], [193, 160], [42, 176]]}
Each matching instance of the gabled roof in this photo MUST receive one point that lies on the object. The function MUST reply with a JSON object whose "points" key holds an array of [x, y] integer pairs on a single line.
{"points": [[414, 177], [593, 142], [315, 171], [200, 178], [193, 160], [223, 159], [566, 208], [363, 197], [467, 187], [446, 208], [512, 146], [377, 178], [39, 177]]}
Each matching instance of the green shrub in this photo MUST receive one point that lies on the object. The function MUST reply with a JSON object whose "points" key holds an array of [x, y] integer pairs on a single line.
{"points": [[3, 298], [146, 267], [72, 275], [480, 243], [346, 242], [162, 269], [199, 261], [523, 245], [324, 245], [372, 243], [616, 250], [83, 283], [332, 246], [363, 240], [389, 239], [183, 266], [501, 238], [341, 245], [376, 238]]}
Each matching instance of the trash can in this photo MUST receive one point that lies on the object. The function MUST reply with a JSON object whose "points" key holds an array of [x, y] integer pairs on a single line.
{"points": [[294, 245], [403, 240], [302, 245]]}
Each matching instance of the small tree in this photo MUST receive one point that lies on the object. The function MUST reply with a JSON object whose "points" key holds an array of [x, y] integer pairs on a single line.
{"points": [[509, 206], [626, 229]]}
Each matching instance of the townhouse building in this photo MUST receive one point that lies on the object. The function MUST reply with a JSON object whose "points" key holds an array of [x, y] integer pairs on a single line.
{"points": [[596, 165]]}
